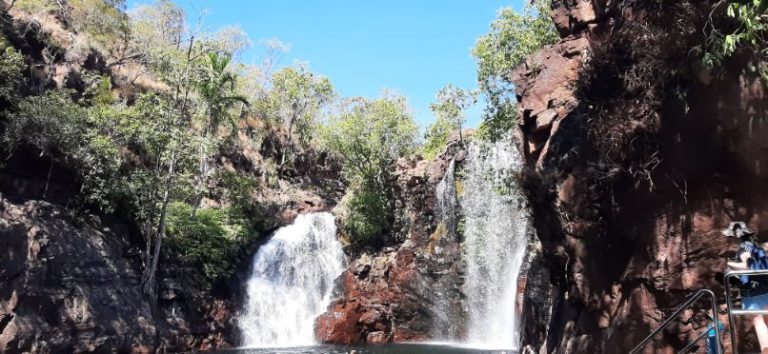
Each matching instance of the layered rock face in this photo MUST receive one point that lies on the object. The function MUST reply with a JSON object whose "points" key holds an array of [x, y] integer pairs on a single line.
{"points": [[70, 282], [57, 279], [637, 158], [389, 295]]}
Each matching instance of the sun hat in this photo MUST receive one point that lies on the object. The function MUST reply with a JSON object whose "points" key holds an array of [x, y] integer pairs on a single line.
{"points": [[737, 229]]}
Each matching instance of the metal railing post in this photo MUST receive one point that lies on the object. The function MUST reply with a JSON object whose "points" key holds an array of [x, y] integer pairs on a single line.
{"points": [[716, 323], [728, 302], [729, 306], [693, 342], [692, 299]]}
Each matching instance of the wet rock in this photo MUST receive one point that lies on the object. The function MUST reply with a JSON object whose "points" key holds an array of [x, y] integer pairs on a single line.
{"points": [[339, 324], [386, 295], [378, 337]]}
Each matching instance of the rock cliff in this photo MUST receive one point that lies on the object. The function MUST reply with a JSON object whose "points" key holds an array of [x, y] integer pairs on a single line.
{"points": [[637, 156], [389, 295], [58, 278], [70, 275]]}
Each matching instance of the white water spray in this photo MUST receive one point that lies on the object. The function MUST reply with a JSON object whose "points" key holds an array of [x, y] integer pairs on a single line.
{"points": [[496, 220], [291, 283]]}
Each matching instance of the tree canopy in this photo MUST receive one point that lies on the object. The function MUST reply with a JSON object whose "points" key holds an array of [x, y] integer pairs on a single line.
{"points": [[369, 135], [513, 37]]}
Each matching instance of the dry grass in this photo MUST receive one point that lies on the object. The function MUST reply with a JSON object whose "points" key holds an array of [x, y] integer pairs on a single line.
{"points": [[43, 17]]}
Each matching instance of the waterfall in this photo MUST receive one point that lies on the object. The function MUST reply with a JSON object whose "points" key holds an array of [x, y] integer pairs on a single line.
{"points": [[446, 208], [291, 283], [495, 226], [446, 305]]}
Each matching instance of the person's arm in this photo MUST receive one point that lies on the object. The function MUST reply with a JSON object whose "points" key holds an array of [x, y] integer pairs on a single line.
{"points": [[741, 265]]}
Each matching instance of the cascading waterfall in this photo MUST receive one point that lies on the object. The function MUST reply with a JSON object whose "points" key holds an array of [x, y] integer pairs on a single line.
{"points": [[291, 283], [446, 208], [446, 322], [495, 227]]}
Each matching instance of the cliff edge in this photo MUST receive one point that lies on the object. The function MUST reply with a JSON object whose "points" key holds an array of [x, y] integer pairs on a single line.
{"points": [[637, 156]]}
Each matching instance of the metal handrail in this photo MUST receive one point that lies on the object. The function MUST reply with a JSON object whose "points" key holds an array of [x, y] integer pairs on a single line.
{"points": [[695, 297], [732, 313], [693, 342]]}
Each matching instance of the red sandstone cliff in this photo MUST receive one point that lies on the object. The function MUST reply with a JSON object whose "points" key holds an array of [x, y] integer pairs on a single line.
{"points": [[387, 296], [637, 157]]}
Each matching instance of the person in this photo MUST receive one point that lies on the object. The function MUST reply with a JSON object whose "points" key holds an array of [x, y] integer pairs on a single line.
{"points": [[754, 289]]}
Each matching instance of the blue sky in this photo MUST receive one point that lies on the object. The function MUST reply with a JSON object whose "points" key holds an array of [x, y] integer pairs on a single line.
{"points": [[414, 47]]}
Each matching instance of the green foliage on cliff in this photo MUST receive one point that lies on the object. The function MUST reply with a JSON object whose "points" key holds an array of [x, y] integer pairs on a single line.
{"points": [[369, 135], [436, 137], [152, 127], [146, 126], [450, 112], [51, 122], [135, 154], [750, 34], [11, 66], [513, 37], [295, 100], [211, 241]]}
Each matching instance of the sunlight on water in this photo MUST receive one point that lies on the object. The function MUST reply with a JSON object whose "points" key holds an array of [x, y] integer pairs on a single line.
{"points": [[374, 349]]}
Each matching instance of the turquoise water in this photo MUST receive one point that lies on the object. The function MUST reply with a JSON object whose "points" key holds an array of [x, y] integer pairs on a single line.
{"points": [[377, 349]]}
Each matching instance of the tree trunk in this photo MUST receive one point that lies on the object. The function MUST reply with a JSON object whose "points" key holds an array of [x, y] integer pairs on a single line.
{"points": [[148, 285], [201, 186], [288, 146], [148, 281], [146, 230], [10, 6], [48, 179], [203, 179]]}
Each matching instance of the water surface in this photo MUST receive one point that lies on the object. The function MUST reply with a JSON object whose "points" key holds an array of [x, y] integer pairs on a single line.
{"points": [[373, 349]]}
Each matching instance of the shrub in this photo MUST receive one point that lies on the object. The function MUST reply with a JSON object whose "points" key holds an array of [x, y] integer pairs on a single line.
{"points": [[435, 138], [368, 216], [11, 67], [210, 241], [368, 137]]}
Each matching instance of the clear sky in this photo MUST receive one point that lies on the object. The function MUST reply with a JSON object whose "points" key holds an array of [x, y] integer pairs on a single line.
{"points": [[412, 46]]}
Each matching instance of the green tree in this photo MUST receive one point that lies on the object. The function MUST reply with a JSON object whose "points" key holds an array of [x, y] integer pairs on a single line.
{"points": [[436, 136], [210, 242], [11, 68], [159, 33], [513, 37], [176, 56], [296, 98], [451, 106], [369, 135], [750, 34], [217, 90], [52, 123]]}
